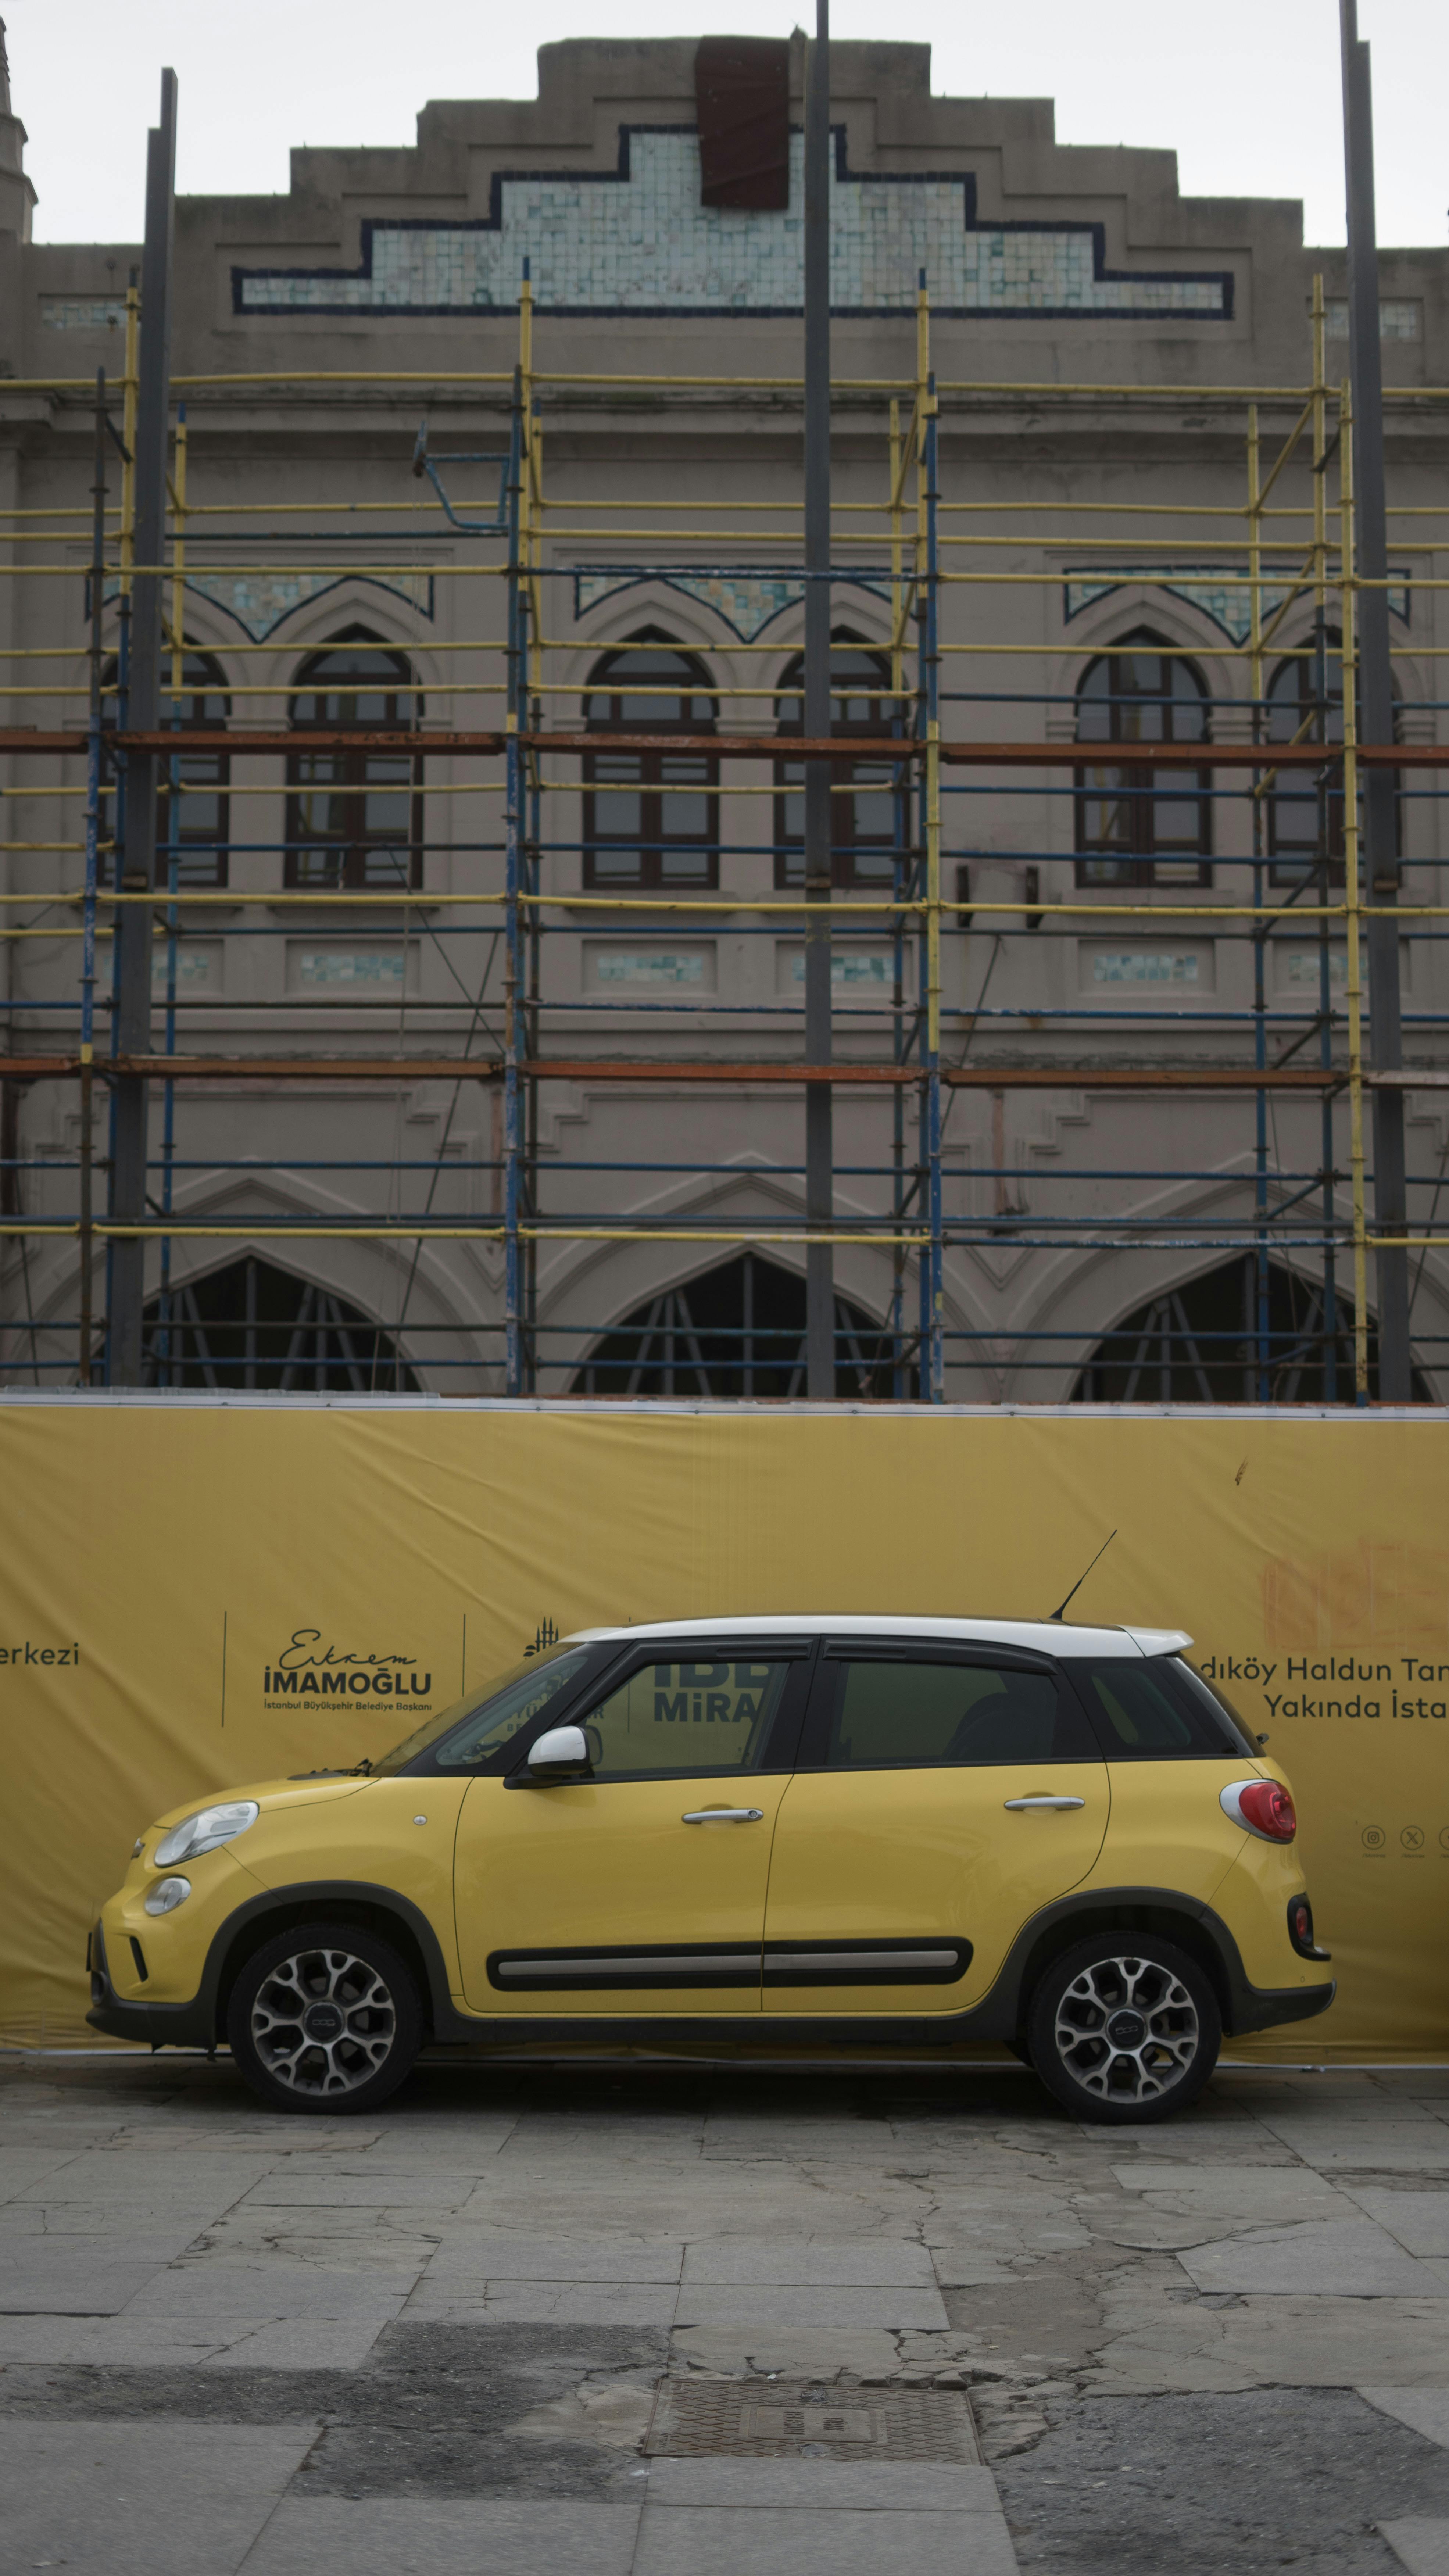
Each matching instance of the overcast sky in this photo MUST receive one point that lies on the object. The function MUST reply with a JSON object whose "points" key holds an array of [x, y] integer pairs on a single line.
{"points": [[1245, 91]]}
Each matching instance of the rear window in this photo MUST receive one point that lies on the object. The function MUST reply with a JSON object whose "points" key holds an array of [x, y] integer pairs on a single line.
{"points": [[1157, 1710]]}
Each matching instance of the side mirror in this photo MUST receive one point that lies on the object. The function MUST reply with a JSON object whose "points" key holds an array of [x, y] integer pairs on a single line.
{"points": [[562, 1749]]}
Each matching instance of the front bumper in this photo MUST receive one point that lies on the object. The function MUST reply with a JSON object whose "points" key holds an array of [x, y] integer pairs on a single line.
{"points": [[188, 2025]]}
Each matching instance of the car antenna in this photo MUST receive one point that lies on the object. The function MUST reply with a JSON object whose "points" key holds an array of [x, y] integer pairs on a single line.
{"points": [[1081, 1579]]}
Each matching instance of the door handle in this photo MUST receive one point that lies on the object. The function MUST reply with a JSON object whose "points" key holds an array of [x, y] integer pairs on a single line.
{"points": [[1023, 1806], [723, 1816]]}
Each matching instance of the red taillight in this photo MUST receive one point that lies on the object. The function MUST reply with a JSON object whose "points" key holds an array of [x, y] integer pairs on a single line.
{"points": [[1266, 1808]]}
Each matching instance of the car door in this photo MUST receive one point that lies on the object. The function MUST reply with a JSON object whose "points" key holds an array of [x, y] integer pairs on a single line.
{"points": [[942, 1797], [640, 1889]]}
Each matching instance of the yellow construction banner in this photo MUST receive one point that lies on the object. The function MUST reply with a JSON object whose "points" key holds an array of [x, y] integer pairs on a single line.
{"points": [[198, 1594]]}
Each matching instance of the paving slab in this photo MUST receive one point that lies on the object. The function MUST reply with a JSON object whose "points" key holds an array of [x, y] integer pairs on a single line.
{"points": [[445, 2536], [297, 2343], [807, 2262], [21, 2167], [1419, 2220], [141, 2498], [1285, 2340], [735, 2305], [1347, 2258], [56, 2281], [1424, 2410], [703, 2541], [330, 2186], [104, 2175], [54, 2340], [203, 2289], [1226, 2191], [470, 2253], [539, 2303], [1420, 2543], [1395, 2145]]}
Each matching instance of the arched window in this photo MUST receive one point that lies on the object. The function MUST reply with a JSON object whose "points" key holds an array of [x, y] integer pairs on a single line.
{"points": [[200, 828], [862, 824], [1142, 826], [739, 1331], [650, 817], [250, 1324], [354, 813], [1305, 811], [1198, 1345]]}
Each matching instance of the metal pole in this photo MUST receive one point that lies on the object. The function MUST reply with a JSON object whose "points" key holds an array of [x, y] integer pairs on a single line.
{"points": [[513, 931], [1348, 663], [88, 917], [1323, 841], [1376, 705], [819, 1149], [933, 1348], [1259, 1376], [131, 1028], [162, 1347]]}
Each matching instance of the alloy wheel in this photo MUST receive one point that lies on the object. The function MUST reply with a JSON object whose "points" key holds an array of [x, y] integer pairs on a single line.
{"points": [[1127, 2028], [323, 2022]]}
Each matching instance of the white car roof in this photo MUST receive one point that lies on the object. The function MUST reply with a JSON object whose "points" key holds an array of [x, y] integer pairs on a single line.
{"points": [[1043, 1636]]}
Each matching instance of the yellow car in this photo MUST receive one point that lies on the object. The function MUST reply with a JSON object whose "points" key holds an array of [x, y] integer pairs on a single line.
{"points": [[889, 1834]]}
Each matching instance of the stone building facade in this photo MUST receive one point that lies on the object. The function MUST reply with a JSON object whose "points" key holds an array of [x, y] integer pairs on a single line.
{"points": [[1086, 320]]}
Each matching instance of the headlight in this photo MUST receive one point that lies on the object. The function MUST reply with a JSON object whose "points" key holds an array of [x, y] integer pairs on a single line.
{"points": [[203, 1832], [166, 1895]]}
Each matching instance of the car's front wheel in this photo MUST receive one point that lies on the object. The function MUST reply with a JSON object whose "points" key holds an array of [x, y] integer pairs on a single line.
{"points": [[1124, 2028], [325, 2018]]}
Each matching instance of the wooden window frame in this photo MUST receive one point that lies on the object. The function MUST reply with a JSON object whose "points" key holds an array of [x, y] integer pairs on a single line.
{"points": [[610, 683], [349, 769], [1139, 861]]}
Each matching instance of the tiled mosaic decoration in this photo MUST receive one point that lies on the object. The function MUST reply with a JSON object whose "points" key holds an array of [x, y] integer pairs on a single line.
{"points": [[83, 312], [637, 240], [260, 601], [1210, 587], [745, 602]]}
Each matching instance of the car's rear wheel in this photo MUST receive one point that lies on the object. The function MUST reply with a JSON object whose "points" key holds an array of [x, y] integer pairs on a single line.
{"points": [[325, 2018], [1124, 2028]]}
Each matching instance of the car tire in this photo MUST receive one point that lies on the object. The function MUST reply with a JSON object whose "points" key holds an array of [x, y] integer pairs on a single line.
{"points": [[325, 2017], [1124, 2028]]}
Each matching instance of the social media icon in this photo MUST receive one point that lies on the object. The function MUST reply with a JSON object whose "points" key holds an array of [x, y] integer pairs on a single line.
{"points": [[1373, 1838], [1412, 1838]]}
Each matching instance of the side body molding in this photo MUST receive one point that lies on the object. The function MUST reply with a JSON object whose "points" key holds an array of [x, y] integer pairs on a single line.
{"points": [[999, 2016]]}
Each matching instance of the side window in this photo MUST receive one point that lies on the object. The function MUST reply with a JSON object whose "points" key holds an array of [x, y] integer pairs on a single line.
{"points": [[695, 1718], [1155, 1711], [473, 1735], [890, 1716]]}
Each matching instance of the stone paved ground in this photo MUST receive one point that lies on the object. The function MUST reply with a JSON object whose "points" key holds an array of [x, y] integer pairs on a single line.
{"points": [[426, 2343]]}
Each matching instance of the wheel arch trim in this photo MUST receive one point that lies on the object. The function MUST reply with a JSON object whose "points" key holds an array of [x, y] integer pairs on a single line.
{"points": [[379, 1909]]}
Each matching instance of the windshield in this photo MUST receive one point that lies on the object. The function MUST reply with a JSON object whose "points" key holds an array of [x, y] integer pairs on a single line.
{"points": [[479, 1723]]}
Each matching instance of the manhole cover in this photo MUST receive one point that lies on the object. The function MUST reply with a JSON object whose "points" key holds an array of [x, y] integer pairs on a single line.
{"points": [[775, 2419]]}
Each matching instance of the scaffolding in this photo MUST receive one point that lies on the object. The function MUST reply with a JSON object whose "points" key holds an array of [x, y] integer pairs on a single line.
{"points": [[938, 755]]}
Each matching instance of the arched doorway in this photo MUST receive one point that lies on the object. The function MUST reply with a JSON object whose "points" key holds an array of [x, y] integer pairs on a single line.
{"points": [[251, 1325], [1198, 1345], [738, 1332]]}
